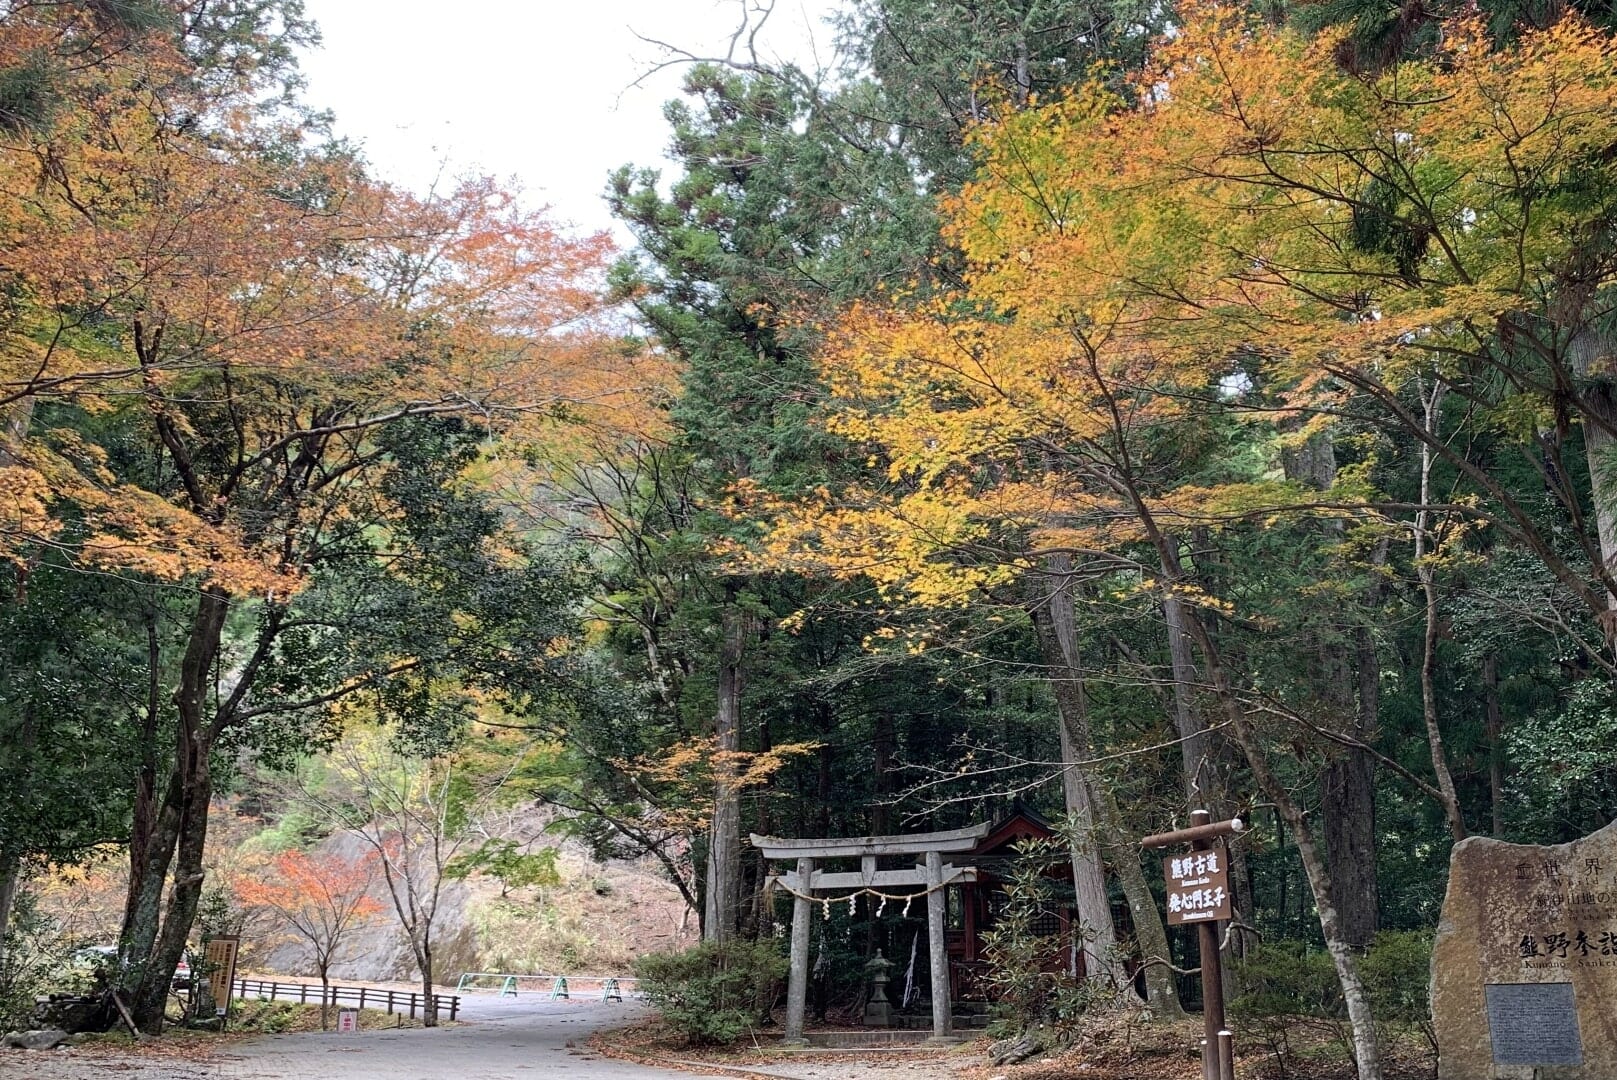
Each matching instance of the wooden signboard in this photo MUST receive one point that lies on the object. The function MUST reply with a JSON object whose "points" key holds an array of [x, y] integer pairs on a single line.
{"points": [[347, 1021], [1198, 886], [221, 960], [1199, 892]]}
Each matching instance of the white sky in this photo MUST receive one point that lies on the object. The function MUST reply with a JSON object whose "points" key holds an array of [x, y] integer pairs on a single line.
{"points": [[535, 91]]}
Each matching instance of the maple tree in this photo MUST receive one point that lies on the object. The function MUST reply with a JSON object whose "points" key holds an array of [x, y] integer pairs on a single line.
{"points": [[418, 816], [199, 277], [320, 899]]}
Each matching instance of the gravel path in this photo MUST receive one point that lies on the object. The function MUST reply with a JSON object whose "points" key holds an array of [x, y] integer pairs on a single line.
{"points": [[503, 1039]]}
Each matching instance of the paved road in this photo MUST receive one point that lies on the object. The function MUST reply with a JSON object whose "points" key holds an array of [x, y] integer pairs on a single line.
{"points": [[503, 1039]]}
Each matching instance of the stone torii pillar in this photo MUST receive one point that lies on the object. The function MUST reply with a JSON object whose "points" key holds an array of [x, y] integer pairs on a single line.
{"points": [[797, 985], [930, 871], [937, 955]]}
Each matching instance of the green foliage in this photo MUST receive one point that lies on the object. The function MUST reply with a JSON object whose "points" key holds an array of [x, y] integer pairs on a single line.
{"points": [[473, 619], [28, 98], [1565, 778], [1285, 986], [36, 959], [1397, 973], [269, 1017], [942, 65], [294, 827], [1028, 978], [1380, 34], [1282, 987], [714, 993], [506, 861], [66, 731]]}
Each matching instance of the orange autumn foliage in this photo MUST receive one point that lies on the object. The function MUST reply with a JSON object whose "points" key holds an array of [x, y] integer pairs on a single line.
{"points": [[255, 307], [684, 775], [320, 899]]}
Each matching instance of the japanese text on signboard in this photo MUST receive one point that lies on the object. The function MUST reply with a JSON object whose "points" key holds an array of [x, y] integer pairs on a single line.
{"points": [[1198, 886], [220, 957]]}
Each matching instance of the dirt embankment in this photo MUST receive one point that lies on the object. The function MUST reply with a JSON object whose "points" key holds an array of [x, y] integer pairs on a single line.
{"points": [[596, 921]]}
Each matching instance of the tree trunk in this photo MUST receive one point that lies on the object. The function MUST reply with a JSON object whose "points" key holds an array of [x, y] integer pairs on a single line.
{"points": [[1204, 781], [1347, 788], [1344, 957], [724, 840], [152, 950], [1348, 809], [1054, 622], [1428, 701], [143, 910], [882, 740], [184, 896], [1092, 802], [429, 1001], [1123, 852], [1598, 443], [1195, 747], [1494, 728], [756, 914], [1579, 313], [827, 753], [1347, 784], [10, 879], [143, 823], [1432, 403]]}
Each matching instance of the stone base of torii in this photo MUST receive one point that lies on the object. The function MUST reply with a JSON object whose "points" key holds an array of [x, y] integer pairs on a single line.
{"points": [[930, 871]]}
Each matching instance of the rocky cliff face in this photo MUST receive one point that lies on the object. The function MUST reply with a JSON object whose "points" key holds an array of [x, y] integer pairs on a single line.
{"points": [[597, 921]]}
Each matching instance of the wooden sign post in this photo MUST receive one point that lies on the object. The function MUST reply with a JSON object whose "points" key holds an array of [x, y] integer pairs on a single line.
{"points": [[1199, 892]]}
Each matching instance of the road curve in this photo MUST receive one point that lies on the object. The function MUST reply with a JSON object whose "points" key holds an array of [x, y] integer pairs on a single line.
{"points": [[501, 1039]]}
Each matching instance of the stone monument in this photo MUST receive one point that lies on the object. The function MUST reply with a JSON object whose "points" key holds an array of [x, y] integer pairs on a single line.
{"points": [[1524, 969]]}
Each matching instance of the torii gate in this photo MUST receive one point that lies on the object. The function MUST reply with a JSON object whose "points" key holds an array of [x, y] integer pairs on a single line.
{"points": [[930, 871]]}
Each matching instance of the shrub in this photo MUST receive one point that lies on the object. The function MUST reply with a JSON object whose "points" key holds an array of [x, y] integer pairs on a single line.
{"points": [[1288, 985], [1283, 986], [1027, 974], [714, 993], [1397, 974], [1287, 978], [36, 959]]}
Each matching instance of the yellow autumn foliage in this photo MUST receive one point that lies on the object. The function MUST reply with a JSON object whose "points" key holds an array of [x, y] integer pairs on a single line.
{"points": [[1256, 213]]}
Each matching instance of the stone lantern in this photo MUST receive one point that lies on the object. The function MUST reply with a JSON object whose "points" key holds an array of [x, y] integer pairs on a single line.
{"points": [[878, 1010]]}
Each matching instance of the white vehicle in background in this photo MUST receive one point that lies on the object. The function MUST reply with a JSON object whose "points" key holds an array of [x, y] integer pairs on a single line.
{"points": [[94, 956]]}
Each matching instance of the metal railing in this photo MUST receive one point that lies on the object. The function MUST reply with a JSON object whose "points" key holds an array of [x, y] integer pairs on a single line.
{"points": [[397, 1002], [610, 987]]}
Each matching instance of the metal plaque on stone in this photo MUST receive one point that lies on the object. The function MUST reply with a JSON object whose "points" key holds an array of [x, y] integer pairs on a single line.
{"points": [[1198, 886], [1533, 1024]]}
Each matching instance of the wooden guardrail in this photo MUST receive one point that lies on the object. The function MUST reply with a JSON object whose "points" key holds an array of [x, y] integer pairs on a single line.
{"points": [[397, 1002]]}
